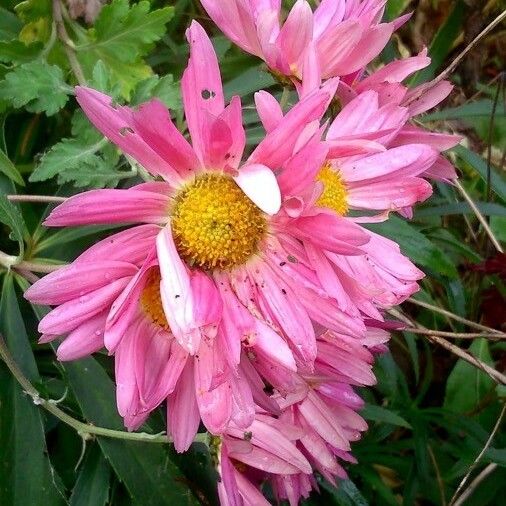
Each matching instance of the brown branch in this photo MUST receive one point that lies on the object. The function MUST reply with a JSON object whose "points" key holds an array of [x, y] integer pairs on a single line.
{"points": [[68, 44]]}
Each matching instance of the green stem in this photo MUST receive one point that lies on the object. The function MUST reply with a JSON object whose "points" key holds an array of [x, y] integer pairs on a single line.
{"points": [[83, 429]]}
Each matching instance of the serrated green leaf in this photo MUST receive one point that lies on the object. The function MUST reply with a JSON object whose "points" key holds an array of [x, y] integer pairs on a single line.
{"points": [[38, 86], [10, 216], [9, 169], [128, 31], [92, 486], [15, 51], [416, 246], [163, 88], [380, 414], [86, 160], [121, 36], [145, 468], [26, 476]]}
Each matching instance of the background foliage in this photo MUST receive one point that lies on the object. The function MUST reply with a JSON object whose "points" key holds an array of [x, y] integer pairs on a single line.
{"points": [[430, 414]]}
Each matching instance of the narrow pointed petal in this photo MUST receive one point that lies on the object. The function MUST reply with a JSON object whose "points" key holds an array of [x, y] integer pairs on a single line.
{"points": [[117, 124], [97, 207]]}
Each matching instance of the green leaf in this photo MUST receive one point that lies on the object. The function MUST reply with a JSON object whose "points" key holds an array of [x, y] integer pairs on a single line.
{"points": [[416, 246], [9, 169], [383, 415], [163, 88], [443, 42], [129, 31], [86, 161], [10, 25], [15, 51], [121, 36], [467, 384], [38, 86], [498, 226], [345, 494], [26, 476], [10, 216], [478, 108], [145, 468], [395, 8], [486, 208], [92, 486], [497, 180]]}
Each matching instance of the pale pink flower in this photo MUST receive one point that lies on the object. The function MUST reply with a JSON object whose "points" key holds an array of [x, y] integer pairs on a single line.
{"points": [[340, 37]]}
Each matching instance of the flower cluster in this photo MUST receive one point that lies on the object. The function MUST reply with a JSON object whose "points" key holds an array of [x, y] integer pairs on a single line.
{"points": [[246, 292]]}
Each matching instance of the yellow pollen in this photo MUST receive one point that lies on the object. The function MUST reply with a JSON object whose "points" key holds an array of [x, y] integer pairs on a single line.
{"points": [[151, 302], [215, 225], [334, 195]]}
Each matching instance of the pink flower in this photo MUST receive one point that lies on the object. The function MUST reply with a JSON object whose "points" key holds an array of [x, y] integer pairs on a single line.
{"points": [[338, 38], [385, 90], [218, 291], [314, 431]]}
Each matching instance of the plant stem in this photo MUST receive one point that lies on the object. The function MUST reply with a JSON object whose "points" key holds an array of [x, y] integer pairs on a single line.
{"points": [[83, 429], [480, 217], [455, 335], [36, 198], [12, 262], [464, 355], [453, 316], [453, 65], [454, 501], [68, 43]]}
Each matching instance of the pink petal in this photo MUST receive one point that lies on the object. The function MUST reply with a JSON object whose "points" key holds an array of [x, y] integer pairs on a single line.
{"points": [[392, 194], [269, 110], [259, 183], [153, 122], [95, 207], [76, 280], [117, 124], [331, 232], [84, 340], [126, 307], [430, 96], [335, 44], [409, 160], [278, 145], [370, 45], [319, 417], [236, 20], [182, 411], [201, 87], [70, 315], [296, 33], [131, 245], [396, 71], [175, 290]]}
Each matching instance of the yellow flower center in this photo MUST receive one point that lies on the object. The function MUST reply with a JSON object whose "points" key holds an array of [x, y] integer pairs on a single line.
{"points": [[334, 195], [215, 225], [151, 302]]}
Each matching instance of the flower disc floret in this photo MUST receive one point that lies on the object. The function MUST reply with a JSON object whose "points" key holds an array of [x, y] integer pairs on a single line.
{"points": [[151, 302], [334, 195], [215, 225]]}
